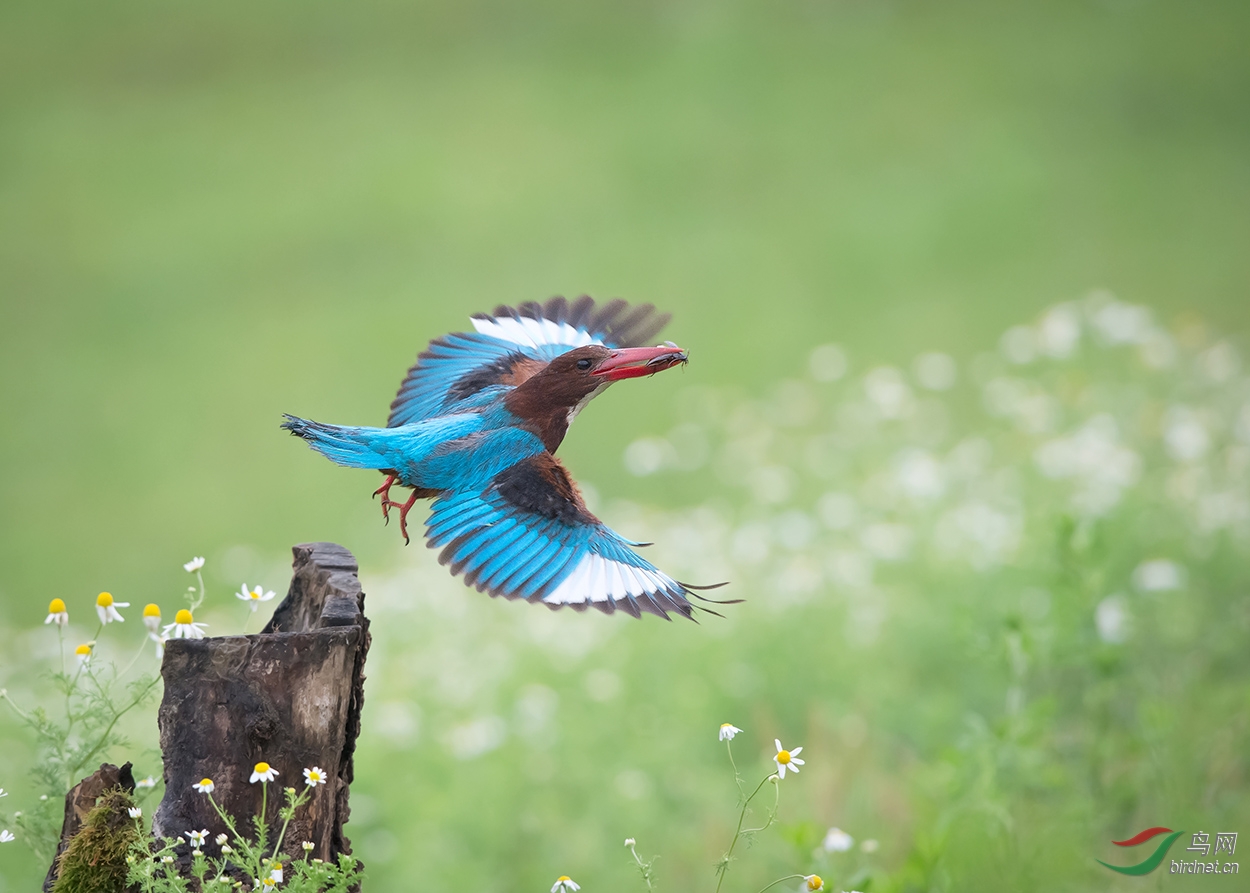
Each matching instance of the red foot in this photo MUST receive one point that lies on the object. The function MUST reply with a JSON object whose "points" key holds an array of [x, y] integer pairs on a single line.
{"points": [[387, 503]]}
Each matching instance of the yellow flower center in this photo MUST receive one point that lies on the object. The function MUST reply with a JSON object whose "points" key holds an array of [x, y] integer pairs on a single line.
{"points": [[815, 883], [262, 767], [82, 650], [562, 878], [726, 725], [314, 776], [783, 757], [152, 611], [183, 616], [56, 606], [104, 599], [206, 782]]}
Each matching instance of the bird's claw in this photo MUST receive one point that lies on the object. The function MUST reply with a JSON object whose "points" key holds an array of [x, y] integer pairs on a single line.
{"points": [[387, 504]]}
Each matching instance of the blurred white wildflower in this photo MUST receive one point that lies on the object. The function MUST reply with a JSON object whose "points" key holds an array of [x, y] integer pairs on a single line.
{"points": [[848, 568], [565, 884], [837, 510], [920, 475], [870, 846], [1019, 345], [813, 882], [888, 392], [1219, 362], [647, 455], [827, 362], [194, 564], [727, 731], [1093, 457], [978, 532], [135, 812], [887, 541], [308, 846], [1158, 575], [196, 838], [1059, 331], [83, 653], [470, 740], [786, 759], [204, 785], [1115, 322], [1184, 434], [934, 371], [152, 617], [6, 836], [837, 841], [1112, 619], [221, 839]]}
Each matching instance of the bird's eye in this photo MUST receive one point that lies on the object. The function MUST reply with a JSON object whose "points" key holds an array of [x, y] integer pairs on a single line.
{"points": [[583, 364]]}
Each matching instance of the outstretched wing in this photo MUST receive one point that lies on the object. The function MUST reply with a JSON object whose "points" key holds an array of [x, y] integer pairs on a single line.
{"points": [[512, 344], [530, 536]]}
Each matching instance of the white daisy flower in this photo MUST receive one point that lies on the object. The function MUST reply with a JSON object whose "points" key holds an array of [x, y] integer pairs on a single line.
{"points": [[83, 653], [204, 786], [276, 874], [148, 782], [263, 772], [197, 838], [786, 759], [193, 565], [57, 613], [565, 884], [3, 792], [221, 839], [6, 836], [135, 812], [185, 627], [837, 840], [728, 731], [314, 776], [254, 596], [813, 882], [152, 617], [107, 608], [308, 846]]}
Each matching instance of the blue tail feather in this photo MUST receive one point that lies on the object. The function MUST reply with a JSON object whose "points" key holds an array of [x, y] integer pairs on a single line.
{"points": [[342, 444]]}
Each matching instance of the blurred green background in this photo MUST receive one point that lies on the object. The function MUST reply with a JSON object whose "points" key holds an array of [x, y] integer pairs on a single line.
{"points": [[213, 214]]}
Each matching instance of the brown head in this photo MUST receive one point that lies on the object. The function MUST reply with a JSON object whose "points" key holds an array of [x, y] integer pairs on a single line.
{"points": [[549, 399]]}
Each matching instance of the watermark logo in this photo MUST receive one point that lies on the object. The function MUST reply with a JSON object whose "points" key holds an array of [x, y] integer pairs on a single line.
{"points": [[1225, 842]]}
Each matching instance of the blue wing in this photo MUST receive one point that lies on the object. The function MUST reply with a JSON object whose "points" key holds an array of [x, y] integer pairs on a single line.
{"points": [[512, 344], [529, 535]]}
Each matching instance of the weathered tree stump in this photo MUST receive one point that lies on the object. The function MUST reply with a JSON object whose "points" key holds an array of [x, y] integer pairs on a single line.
{"points": [[80, 800], [290, 696]]}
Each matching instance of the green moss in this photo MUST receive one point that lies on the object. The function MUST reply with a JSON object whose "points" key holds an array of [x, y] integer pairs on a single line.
{"points": [[95, 860]]}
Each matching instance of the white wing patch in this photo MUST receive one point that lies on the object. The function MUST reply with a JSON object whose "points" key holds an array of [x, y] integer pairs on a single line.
{"points": [[529, 332], [599, 579]]}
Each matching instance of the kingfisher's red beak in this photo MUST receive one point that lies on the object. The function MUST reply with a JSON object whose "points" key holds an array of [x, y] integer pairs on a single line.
{"points": [[634, 362]]}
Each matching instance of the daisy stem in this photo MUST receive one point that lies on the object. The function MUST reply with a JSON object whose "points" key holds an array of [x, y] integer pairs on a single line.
{"points": [[4, 693], [60, 638], [724, 868], [737, 774], [788, 877], [199, 598], [772, 814], [138, 654], [117, 714]]}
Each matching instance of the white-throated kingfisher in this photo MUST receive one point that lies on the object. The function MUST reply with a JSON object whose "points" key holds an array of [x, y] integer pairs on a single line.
{"points": [[476, 425]]}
